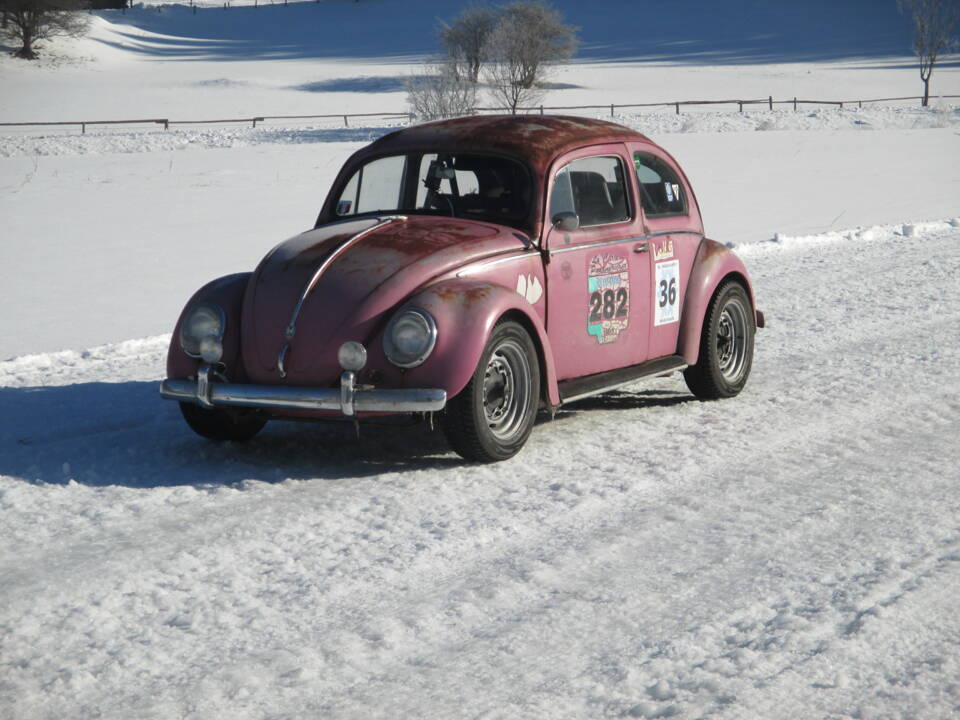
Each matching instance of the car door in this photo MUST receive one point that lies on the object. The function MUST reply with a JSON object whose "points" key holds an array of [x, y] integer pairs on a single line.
{"points": [[598, 275], [674, 231]]}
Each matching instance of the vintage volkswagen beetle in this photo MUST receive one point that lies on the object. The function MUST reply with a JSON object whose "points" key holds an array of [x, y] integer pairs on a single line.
{"points": [[478, 268]]}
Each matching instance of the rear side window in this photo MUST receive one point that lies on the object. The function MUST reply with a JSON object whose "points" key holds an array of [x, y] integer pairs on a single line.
{"points": [[661, 191], [594, 189]]}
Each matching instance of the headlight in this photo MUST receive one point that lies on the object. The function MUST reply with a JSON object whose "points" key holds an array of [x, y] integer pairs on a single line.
{"points": [[410, 338], [203, 324]]}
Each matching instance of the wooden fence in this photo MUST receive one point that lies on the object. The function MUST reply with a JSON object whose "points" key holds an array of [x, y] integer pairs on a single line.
{"points": [[769, 102]]}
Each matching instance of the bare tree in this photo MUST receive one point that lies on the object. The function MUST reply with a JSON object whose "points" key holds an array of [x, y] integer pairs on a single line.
{"points": [[528, 40], [27, 21], [465, 40], [440, 93], [934, 22]]}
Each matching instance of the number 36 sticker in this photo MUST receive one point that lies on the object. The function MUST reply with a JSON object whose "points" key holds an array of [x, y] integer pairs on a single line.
{"points": [[666, 293]]}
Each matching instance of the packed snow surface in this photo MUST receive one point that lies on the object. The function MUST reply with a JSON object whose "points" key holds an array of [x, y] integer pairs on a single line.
{"points": [[790, 553], [793, 552]]}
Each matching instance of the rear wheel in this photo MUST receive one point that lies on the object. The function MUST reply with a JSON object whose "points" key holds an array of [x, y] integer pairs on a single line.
{"points": [[220, 424], [726, 345], [492, 417]]}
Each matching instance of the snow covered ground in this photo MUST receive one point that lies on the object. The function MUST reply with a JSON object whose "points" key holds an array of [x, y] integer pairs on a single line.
{"points": [[791, 553]]}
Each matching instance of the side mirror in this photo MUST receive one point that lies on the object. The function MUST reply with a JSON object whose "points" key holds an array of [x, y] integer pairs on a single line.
{"points": [[566, 221]]}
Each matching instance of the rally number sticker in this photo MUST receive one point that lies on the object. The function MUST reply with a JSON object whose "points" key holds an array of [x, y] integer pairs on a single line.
{"points": [[666, 293], [608, 286]]}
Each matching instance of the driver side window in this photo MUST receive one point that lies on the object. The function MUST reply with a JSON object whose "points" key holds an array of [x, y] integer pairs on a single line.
{"points": [[594, 189]]}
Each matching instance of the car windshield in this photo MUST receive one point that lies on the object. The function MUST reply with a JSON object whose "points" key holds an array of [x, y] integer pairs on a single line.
{"points": [[465, 185]]}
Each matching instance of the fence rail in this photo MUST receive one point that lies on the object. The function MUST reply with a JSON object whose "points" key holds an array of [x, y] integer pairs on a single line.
{"points": [[613, 107]]}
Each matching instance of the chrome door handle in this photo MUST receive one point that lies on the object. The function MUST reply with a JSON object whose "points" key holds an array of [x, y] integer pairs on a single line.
{"points": [[641, 248]]}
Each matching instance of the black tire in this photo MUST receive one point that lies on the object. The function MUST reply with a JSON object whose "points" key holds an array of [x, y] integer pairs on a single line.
{"points": [[492, 417], [222, 424], [726, 345]]}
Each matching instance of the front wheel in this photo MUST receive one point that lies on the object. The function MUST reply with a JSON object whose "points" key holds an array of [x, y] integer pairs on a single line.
{"points": [[726, 345], [220, 424], [492, 417]]}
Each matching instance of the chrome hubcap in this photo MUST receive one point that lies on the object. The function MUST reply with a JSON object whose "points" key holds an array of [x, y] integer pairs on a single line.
{"points": [[732, 341], [506, 390]]}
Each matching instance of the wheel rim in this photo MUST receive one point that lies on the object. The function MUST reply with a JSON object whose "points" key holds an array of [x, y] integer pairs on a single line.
{"points": [[732, 341], [506, 390]]}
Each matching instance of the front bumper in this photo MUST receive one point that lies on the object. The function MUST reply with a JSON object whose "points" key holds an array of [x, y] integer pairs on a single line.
{"points": [[347, 399]]}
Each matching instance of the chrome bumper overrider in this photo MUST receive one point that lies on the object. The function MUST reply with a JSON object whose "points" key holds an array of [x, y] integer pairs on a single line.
{"points": [[347, 399]]}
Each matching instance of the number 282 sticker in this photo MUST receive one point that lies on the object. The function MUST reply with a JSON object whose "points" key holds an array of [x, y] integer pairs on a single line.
{"points": [[608, 286], [666, 293]]}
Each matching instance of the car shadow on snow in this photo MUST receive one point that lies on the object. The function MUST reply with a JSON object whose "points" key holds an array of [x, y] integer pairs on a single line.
{"points": [[124, 434]]}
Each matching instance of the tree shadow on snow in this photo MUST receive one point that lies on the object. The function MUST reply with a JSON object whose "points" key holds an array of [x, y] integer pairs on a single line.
{"points": [[705, 32], [366, 84], [125, 434]]}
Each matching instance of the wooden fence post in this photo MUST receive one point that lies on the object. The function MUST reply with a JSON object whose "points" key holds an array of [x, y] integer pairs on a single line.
{"points": [[741, 106], [794, 104], [611, 109], [678, 108], [771, 101], [345, 123]]}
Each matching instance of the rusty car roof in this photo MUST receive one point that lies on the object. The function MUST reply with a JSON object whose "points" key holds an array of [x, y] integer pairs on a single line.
{"points": [[536, 138]]}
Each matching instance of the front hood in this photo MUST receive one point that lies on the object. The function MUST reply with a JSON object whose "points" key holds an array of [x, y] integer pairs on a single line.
{"points": [[364, 278]]}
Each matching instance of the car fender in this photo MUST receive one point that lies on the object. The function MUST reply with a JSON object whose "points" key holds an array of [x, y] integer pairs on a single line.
{"points": [[227, 292], [466, 312], [713, 264]]}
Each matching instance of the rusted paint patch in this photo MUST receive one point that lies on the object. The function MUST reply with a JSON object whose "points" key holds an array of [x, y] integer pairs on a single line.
{"points": [[465, 297]]}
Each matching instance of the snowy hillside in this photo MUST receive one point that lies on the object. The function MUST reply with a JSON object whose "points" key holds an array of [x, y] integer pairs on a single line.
{"points": [[791, 553]]}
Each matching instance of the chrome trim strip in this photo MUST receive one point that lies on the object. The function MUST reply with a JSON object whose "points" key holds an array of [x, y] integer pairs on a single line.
{"points": [[337, 252], [308, 398], [608, 388], [624, 240], [652, 368], [491, 263]]}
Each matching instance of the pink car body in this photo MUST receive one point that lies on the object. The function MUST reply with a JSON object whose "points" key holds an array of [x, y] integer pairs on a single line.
{"points": [[616, 287]]}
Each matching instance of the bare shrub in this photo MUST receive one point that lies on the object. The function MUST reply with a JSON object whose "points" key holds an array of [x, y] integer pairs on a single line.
{"points": [[440, 92], [935, 23], [27, 21], [466, 39], [528, 40]]}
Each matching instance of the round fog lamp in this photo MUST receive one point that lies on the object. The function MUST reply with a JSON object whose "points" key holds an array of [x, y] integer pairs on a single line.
{"points": [[352, 356], [211, 350]]}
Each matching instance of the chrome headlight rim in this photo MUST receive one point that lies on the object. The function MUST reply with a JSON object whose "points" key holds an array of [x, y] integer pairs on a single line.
{"points": [[191, 345], [412, 360]]}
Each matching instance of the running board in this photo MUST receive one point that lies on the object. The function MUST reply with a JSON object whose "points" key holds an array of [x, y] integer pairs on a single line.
{"points": [[582, 387]]}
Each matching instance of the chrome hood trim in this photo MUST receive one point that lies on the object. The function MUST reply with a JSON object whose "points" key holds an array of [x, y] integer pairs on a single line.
{"points": [[291, 329]]}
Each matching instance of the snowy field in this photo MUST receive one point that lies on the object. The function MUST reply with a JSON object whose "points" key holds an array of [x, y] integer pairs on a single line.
{"points": [[791, 553]]}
